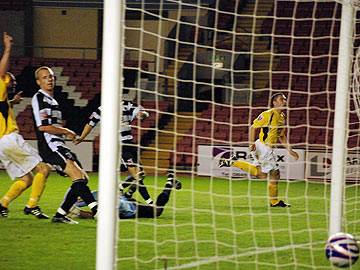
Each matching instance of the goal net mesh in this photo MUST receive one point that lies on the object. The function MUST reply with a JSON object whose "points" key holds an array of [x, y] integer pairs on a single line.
{"points": [[204, 70]]}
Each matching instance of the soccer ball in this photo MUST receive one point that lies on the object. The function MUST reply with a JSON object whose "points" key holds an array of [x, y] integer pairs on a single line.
{"points": [[342, 249]]}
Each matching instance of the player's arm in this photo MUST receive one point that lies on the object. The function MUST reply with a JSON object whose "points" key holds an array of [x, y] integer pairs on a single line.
{"points": [[258, 123], [284, 141], [139, 112], [16, 99], [94, 119], [87, 129], [5, 59], [142, 115], [252, 134], [56, 130]]}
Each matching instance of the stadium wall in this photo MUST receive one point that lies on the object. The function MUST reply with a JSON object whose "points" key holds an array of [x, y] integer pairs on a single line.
{"points": [[70, 27]]}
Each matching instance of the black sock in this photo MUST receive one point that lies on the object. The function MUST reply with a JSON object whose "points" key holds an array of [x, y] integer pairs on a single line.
{"points": [[163, 198], [85, 193], [144, 192], [69, 200]]}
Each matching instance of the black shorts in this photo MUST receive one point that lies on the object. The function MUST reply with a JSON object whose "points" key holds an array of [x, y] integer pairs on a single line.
{"points": [[58, 158], [149, 211], [129, 157]]}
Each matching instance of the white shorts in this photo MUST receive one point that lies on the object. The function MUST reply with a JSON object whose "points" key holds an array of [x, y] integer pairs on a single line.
{"points": [[17, 156], [265, 157]]}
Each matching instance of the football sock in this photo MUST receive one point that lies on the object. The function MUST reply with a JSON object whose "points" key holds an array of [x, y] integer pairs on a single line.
{"points": [[84, 192], [163, 198], [246, 167], [273, 193], [69, 200], [169, 183], [37, 189], [144, 192], [60, 212], [15, 190]]}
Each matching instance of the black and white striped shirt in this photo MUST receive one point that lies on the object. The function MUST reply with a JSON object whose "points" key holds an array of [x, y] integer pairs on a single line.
{"points": [[129, 112], [46, 112]]}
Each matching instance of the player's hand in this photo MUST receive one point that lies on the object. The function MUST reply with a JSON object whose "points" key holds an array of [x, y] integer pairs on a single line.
{"points": [[142, 115], [77, 140], [8, 40], [70, 135], [294, 154], [17, 98], [252, 147]]}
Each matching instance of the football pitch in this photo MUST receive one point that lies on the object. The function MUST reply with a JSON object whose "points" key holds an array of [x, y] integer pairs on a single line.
{"points": [[209, 224]]}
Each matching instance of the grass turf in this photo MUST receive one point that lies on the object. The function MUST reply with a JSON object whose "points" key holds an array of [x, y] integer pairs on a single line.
{"points": [[216, 224]]}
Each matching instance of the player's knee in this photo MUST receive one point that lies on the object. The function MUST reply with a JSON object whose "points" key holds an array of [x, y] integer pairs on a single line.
{"points": [[261, 175], [43, 169], [73, 170], [27, 179]]}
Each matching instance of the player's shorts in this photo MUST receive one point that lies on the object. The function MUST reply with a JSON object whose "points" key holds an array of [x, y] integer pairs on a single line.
{"points": [[265, 157], [58, 158], [129, 157], [17, 156]]}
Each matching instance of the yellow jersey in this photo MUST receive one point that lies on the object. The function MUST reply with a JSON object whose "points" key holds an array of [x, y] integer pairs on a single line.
{"points": [[7, 117], [272, 124]]}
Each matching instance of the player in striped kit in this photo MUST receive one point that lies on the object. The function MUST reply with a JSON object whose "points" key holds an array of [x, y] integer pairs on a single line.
{"points": [[129, 160], [52, 148]]}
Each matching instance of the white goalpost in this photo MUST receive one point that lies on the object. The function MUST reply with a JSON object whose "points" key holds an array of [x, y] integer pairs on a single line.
{"points": [[204, 70], [112, 80], [341, 117]]}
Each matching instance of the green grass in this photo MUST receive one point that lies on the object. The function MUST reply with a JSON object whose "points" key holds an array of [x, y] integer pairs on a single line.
{"points": [[216, 224]]}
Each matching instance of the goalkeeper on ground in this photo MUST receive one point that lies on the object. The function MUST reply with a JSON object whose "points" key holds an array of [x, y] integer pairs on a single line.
{"points": [[272, 130], [130, 208]]}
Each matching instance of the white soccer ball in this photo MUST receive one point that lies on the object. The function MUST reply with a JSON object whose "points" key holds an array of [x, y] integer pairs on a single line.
{"points": [[342, 249]]}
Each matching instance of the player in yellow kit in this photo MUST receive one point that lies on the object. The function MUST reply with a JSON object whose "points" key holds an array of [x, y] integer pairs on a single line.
{"points": [[18, 157], [272, 130]]}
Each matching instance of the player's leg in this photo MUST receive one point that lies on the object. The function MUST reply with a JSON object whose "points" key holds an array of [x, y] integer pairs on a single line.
{"points": [[79, 186], [164, 196], [151, 211], [269, 166], [131, 161], [19, 159], [139, 177], [246, 167], [42, 171], [273, 188], [241, 164], [67, 162], [15, 190], [147, 211]]}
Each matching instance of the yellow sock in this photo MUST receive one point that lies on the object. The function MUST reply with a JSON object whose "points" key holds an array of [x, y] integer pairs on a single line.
{"points": [[273, 193], [37, 189], [15, 190], [246, 167]]}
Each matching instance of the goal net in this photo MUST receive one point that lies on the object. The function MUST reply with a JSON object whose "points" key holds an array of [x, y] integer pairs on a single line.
{"points": [[205, 70]]}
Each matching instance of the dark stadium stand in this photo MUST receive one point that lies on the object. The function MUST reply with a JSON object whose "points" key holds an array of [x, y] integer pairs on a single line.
{"points": [[307, 65]]}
